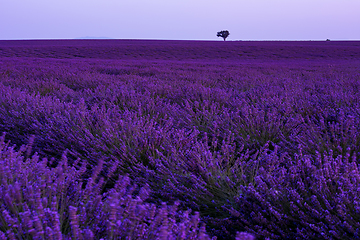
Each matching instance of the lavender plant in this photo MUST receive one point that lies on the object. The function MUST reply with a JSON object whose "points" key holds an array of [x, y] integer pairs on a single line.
{"points": [[44, 203]]}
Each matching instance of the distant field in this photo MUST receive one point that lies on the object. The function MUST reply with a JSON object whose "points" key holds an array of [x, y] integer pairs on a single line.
{"points": [[182, 50], [151, 139]]}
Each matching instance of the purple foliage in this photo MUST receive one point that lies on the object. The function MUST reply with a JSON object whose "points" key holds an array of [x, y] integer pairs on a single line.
{"points": [[44, 203], [257, 138]]}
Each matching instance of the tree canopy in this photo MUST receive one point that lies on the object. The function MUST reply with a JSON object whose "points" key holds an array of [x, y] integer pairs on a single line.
{"points": [[224, 34]]}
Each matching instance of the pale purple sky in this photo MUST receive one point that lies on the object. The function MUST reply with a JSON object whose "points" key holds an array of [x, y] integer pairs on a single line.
{"points": [[181, 19]]}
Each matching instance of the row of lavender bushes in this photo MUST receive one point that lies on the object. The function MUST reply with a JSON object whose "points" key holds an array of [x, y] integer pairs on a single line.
{"points": [[270, 149], [43, 203]]}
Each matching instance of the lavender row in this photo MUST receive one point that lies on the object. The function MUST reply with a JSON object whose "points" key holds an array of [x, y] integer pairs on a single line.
{"points": [[43, 203]]}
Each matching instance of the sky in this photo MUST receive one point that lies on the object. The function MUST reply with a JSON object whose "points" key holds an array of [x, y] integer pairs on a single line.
{"points": [[180, 19]]}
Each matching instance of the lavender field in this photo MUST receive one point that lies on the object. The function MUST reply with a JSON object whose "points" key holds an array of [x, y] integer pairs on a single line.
{"points": [[145, 139]]}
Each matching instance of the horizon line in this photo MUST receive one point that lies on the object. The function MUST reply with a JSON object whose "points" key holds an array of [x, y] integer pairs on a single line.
{"points": [[161, 39]]}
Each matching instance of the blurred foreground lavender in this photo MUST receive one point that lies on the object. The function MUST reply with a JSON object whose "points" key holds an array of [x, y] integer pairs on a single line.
{"points": [[264, 147]]}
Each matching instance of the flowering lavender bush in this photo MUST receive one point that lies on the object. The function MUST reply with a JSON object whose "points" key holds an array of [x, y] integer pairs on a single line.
{"points": [[43, 203], [260, 142]]}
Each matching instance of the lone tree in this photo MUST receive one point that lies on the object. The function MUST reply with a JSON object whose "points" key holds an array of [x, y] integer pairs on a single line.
{"points": [[224, 34]]}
